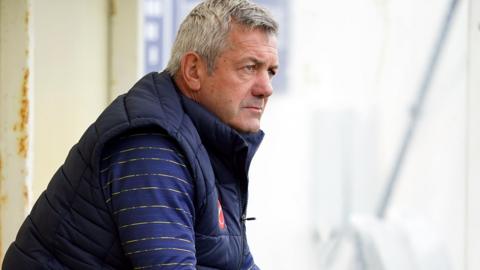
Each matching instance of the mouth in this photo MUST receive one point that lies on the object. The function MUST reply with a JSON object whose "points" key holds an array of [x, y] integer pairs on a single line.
{"points": [[254, 109]]}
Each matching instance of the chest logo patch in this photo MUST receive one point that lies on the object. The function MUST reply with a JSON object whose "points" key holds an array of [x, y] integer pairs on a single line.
{"points": [[221, 217]]}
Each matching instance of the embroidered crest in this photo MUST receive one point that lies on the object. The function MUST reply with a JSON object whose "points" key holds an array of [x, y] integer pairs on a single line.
{"points": [[221, 217]]}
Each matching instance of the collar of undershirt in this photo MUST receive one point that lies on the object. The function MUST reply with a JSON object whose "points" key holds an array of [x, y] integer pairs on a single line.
{"points": [[220, 137]]}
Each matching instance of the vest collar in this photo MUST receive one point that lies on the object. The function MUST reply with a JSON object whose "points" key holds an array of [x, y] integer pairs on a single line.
{"points": [[220, 137]]}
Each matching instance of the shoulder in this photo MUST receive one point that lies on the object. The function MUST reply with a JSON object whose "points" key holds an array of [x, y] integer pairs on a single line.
{"points": [[141, 139], [145, 147]]}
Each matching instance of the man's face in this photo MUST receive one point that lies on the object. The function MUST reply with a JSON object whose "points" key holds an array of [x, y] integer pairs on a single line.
{"points": [[237, 91]]}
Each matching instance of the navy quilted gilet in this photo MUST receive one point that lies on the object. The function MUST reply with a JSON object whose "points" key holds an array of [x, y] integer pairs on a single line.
{"points": [[70, 226]]}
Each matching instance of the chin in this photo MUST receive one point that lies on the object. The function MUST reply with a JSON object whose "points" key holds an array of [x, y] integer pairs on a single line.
{"points": [[246, 127], [250, 129]]}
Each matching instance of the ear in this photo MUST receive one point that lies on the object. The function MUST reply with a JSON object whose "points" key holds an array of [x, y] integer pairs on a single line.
{"points": [[192, 70]]}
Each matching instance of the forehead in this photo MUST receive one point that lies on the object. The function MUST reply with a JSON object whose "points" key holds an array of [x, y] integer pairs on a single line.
{"points": [[244, 41]]}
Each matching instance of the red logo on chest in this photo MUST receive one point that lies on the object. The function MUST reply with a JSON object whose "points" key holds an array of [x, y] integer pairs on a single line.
{"points": [[221, 217]]}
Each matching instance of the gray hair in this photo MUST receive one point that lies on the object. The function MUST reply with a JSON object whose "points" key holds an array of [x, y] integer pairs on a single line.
{"points": [[205, 30]]}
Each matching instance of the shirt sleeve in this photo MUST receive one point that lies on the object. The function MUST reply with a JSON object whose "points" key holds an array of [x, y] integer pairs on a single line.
{"points": [[148, 188]]}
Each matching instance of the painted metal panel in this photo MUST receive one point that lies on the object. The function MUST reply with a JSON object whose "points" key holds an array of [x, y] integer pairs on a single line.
{"points": [[162, 18], [158, 33], [125, 45], [473, 137], [16, 78], [71, 78], [280, 10]]}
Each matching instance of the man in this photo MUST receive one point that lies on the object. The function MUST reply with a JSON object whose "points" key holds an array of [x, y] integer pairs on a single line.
{"points": [[160, 180]]}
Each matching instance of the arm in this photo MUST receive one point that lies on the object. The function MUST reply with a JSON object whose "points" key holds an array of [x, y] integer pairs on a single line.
{"points": [[149, 190]]}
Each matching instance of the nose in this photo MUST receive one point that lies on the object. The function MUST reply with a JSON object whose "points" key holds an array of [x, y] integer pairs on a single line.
{"points": [[263, 86]]}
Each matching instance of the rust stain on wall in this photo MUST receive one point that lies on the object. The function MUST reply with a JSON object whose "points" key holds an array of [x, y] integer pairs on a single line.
{"points": [[3, 199], [113, 8], [27, 27], [24, 111], [27, 17], [1, 168], [23, 146], [26, 195]]}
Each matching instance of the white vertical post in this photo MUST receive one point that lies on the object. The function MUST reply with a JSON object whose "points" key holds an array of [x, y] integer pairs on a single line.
{"points": [[473, 140], [125, 45], [15, 116]]}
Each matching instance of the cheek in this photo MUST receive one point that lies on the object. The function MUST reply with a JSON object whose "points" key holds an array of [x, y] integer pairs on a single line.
{"points": [[229, 106], [230, 95]]}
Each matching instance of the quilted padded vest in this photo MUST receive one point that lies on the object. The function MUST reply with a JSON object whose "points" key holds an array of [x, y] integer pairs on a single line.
{"points": [[70, 226]]}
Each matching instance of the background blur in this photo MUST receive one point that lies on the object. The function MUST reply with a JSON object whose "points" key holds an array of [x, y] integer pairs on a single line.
{"points": [[372, 153]]}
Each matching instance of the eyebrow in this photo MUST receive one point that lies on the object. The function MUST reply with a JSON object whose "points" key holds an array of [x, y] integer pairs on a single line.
{"points": [[262, 63]]}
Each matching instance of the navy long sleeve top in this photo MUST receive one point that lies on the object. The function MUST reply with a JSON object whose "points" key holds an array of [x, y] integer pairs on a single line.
{"points": [[148, 188]]}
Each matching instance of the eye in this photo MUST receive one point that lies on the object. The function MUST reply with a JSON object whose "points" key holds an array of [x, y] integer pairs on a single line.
{"points": [[272, 72], [250, 68]]}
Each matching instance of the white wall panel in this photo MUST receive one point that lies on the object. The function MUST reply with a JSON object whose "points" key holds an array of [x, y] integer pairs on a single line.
{"points": [[16, 92], [125, 45], [473, 135], [71, 64]]}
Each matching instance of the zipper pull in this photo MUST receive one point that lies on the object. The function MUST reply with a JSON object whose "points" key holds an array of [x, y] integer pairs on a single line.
{"points": [[244, 218]]}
